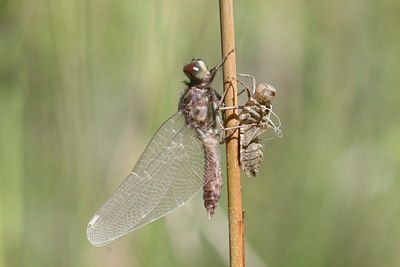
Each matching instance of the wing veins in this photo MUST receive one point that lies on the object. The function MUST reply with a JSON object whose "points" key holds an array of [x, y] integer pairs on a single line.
{"points": [[140, 181]]}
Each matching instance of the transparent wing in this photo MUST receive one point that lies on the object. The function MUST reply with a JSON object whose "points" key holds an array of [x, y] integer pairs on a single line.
{"points": [[169, 172]]}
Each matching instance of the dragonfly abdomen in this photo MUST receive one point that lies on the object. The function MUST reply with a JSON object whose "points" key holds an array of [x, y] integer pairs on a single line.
{"points": [[251, 157], [212, 174]]}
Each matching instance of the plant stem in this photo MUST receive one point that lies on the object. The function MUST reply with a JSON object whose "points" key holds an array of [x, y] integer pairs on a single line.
{"points": [[236, 229]]}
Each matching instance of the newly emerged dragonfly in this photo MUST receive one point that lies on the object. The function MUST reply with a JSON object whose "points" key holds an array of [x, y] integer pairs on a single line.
{"points": [[181, 159]]}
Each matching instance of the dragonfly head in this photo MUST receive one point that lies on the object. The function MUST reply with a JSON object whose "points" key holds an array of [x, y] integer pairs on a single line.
{"points": [[264, 93], [197, 72]]}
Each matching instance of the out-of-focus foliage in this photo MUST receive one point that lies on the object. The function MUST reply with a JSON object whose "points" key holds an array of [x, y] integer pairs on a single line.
{"points": [[84, 84]]}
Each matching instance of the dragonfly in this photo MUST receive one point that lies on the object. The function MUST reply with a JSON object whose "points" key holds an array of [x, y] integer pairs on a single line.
{"points": [[255, 118], [181, 159]]}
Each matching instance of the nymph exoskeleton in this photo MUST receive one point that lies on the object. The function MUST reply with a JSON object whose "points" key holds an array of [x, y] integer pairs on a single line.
{"points": [[254, 119]]}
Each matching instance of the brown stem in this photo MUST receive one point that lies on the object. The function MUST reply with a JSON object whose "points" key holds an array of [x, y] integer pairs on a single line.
{"points": [[236, 230]]}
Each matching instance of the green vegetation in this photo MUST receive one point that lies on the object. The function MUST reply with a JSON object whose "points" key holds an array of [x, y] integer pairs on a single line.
{"points": [[84, 84]]}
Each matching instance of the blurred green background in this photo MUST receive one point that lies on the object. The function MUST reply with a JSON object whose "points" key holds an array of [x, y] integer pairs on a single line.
{"points": [[85, 84]]}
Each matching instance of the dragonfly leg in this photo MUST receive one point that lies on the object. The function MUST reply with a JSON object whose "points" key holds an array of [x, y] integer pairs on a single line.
{"points": [[233, 129], [227, 136], [226, 91], [238, 126], [233, 107], [246, 87], [241, 92], [221, 101], [253, 80], [214, 70], [219, 122]]}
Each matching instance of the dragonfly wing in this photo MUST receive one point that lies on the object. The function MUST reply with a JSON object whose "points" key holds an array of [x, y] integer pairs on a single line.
{"points": [[169, 172]]}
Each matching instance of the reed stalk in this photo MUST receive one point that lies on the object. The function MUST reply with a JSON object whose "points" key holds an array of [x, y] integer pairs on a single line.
{"points": [[236, 224]]}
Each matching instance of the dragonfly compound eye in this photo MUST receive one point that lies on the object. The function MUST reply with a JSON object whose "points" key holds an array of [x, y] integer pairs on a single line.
{"points": [[196, 70]]}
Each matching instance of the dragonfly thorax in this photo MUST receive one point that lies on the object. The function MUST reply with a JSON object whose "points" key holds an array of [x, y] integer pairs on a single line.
{"points": [[197, 106]]}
